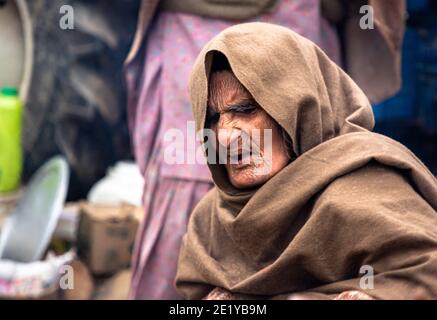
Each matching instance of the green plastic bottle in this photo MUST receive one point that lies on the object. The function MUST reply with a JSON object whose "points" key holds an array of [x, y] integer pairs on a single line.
{"points": [[10, 140]]}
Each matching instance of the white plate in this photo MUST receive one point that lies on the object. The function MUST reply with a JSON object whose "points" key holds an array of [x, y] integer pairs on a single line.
{"points": [[30, 226]]}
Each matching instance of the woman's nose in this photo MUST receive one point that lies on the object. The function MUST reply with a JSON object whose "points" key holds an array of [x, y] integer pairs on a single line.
{"points": [[227, 132]]}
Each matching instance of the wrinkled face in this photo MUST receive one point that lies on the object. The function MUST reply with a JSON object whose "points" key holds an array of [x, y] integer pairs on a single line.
{"points": [[253, 141]]}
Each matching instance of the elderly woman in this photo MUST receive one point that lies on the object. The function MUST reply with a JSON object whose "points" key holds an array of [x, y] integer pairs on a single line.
{"points": [[157, 74], [340, 212], [170, 35]]}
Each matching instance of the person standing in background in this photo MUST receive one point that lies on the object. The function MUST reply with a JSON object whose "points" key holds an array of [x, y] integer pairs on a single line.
{"points": [[170, 35]]}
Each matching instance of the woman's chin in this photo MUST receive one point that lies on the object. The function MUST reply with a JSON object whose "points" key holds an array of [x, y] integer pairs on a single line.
{"points": [[245, 180]]}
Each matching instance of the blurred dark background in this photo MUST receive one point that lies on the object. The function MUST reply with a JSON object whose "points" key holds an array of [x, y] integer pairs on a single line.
{"points": [[411, 115], [77, 100]]}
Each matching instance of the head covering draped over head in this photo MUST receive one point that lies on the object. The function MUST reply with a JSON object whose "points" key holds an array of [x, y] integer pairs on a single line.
{"points": [[351, 198]]}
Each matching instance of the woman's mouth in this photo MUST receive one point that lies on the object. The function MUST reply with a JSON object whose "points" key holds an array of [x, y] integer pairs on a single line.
{"points": [[241, 159]]}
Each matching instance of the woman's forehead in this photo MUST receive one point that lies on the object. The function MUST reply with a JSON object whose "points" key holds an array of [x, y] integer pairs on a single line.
{"points": [[225, 90]]}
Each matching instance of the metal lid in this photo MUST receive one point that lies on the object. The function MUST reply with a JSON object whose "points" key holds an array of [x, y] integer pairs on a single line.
{"points": [[30, 226]]}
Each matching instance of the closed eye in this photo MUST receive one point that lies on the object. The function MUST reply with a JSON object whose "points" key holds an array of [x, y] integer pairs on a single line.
{"points": [[245, 108]]}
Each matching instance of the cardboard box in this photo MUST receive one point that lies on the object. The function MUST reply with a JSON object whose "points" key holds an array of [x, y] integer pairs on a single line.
{"points": [[106, 236]]}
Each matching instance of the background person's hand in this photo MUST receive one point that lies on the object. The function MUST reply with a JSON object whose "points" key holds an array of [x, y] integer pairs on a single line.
{"points": [[353, 295], [346, 295], [219, 294], [223, 294]]}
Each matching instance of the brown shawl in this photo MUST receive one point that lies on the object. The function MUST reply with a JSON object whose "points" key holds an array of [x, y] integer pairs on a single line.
{"points": [[351, 198]]}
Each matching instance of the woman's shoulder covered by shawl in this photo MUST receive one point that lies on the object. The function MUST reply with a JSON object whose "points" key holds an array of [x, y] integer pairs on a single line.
{"points": [[387, 227]]}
